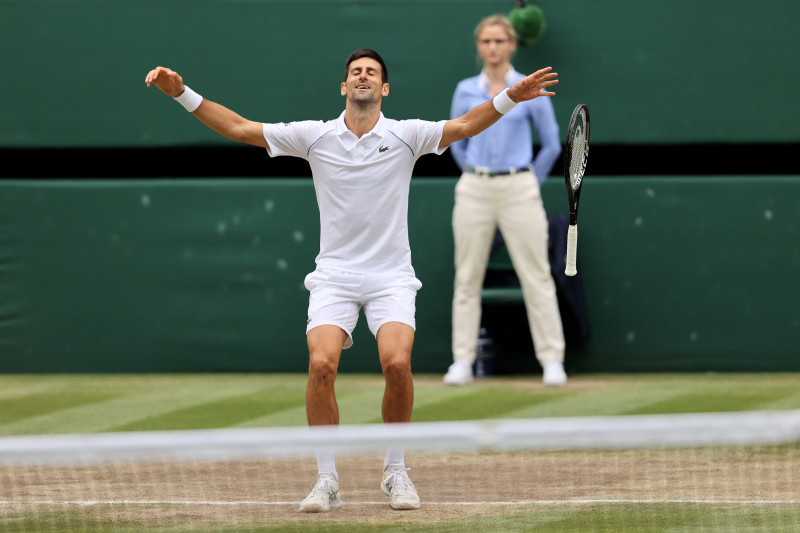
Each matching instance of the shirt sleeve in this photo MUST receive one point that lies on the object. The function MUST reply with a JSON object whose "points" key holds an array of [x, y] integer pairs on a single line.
{"points": [[290, 138], [457, 109], [544, 120], [423, 136]]}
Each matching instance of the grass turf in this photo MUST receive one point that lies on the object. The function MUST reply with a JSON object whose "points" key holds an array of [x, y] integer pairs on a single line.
{"points": [[53, 404], [595, 518]]}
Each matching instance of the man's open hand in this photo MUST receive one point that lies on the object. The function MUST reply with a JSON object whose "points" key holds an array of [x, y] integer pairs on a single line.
{"points": [[531, 86], [169, 81]]}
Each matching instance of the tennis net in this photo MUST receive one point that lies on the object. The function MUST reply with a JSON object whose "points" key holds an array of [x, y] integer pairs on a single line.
{"points": [[687, 472]]}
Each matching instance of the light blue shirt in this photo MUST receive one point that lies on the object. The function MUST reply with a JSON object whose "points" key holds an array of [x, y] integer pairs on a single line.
{"points": [[508, 143]]}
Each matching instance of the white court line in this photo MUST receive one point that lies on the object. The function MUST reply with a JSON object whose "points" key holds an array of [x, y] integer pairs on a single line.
{"points": [[89, 503]]}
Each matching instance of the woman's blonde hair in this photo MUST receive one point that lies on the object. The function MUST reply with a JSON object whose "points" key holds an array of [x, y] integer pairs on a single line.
{"points": [[497, 20]]}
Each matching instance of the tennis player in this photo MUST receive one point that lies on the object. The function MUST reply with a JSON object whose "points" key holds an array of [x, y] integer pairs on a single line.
{"points": [[361, 163]]}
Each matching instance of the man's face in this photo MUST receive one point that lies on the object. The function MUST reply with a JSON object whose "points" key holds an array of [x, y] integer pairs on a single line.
{"points": [[363, 84]]}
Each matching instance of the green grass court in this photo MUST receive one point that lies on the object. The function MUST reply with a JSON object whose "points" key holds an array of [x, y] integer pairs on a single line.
{"points": [[57, 404], [54, 404]]}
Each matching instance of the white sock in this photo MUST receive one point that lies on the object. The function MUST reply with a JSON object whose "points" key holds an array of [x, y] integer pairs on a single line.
{"points": [[394, 455], [326, 462]]}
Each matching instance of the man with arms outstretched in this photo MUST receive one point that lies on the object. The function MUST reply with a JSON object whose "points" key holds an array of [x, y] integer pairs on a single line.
{"points": [[361, 164]]}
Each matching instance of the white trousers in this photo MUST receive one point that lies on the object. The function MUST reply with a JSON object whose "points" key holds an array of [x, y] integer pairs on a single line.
{"points": [[514, 204]]}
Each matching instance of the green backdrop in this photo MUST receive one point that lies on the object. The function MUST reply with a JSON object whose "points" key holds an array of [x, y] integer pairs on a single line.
{"points": [[152, 274], [654, 71], [680, 273]]}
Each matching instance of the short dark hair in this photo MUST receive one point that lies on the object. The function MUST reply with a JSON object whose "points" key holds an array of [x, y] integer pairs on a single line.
{"points": [[372, 54]]}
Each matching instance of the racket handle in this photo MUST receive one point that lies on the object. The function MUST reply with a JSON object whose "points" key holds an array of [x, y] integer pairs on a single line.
{"points": [[572, 250]]}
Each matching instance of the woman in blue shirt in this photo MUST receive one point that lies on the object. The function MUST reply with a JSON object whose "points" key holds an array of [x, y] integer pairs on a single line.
{"points": [[499, 187]]}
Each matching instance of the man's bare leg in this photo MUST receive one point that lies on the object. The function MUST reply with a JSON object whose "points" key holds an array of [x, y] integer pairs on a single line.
{"points": [[324, 349], [395, 341]]}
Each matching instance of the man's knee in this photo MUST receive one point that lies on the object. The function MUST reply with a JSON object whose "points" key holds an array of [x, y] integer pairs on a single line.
{"points": [[324, 349], [322, 367], [397, 366], [394, 336]]}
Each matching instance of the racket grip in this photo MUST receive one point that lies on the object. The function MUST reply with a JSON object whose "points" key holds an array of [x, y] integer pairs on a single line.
{"points": [[572, 250]]}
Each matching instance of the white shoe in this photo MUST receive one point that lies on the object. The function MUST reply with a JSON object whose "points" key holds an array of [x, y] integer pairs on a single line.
{"points": [[459, 373], [324, 496], [399, 487], [554, 375]]}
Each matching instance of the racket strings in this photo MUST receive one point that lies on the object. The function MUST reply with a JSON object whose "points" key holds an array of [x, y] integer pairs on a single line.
{"points": [[577, 162]]}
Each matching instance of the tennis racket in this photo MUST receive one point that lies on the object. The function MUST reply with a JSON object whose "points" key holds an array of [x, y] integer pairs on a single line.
{"points": [[575, 157]]}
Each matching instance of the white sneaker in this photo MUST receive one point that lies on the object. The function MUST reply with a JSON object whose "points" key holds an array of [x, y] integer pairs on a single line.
{"points": [[554, 375], [459, 373], [324, 496], [399, 487]]}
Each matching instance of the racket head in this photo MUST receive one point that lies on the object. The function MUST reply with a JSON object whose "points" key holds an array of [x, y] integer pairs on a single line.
{"points": [[576, 155]]}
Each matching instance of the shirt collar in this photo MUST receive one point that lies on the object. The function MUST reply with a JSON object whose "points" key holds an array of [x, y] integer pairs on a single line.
{"points": [[379, 128], [483, 79]]}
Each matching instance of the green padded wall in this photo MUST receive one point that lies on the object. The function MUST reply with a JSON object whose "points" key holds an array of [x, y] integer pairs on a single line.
{"points": [[182, 275], [656, 71], [680, 273], [690, 272]]}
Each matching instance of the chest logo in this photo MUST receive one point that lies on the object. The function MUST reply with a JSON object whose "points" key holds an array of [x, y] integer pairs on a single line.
{"points": [[383, 149]]}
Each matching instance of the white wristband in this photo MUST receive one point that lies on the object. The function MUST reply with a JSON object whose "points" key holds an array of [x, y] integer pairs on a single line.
{"points": [[189, 99], [503, 103]]}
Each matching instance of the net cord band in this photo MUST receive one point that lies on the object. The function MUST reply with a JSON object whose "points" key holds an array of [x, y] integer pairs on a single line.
{"points": [[573, 433]]}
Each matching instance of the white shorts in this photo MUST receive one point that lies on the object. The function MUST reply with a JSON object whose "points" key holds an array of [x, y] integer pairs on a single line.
{"points": [[337, 297]]}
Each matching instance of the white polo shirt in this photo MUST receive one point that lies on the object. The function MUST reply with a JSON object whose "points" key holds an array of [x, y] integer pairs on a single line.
{"points": [[362, 187]]}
